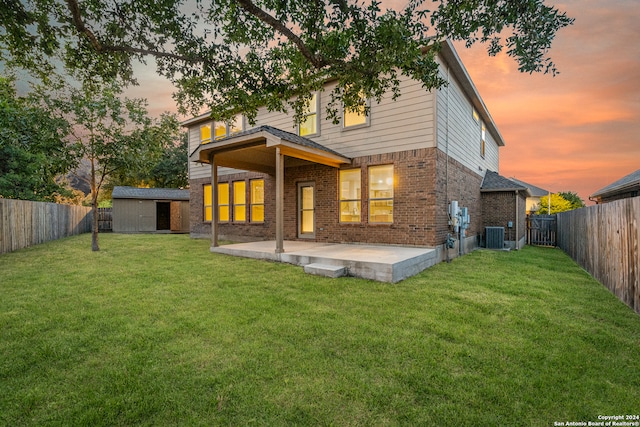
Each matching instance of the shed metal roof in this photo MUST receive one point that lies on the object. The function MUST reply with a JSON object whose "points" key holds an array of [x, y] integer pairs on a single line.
{"points": [[149, 193]]}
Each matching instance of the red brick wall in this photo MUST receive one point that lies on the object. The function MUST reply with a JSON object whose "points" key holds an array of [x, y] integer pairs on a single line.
{"points": [[457, 182], [420, 201], [500, 207]]}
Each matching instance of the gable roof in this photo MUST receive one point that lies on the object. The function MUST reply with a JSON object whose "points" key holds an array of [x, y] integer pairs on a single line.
{"points": [[626, 183], [492, 181], [149, 193], [535, 191]]}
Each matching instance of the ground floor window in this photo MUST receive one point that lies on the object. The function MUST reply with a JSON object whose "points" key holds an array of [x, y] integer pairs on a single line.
{"points": [[223, 202], [381, 194], [208, 202], [257, 200], [350, 194], [239, 201]]}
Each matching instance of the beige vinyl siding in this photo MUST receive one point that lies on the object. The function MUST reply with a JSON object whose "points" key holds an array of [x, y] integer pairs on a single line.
{"points": [[459, 134], [199, 170], [404, 124]]}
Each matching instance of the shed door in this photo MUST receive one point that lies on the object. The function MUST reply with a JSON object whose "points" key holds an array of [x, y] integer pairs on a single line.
{"points": [[163, 216], [176, 216]]}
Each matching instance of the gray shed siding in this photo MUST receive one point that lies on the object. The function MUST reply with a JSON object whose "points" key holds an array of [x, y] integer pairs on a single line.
{"points": [[140, 216], [134, 216]]}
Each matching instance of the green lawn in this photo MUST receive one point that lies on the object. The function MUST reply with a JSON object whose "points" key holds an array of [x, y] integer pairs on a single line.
{"points": [[155, 330]]}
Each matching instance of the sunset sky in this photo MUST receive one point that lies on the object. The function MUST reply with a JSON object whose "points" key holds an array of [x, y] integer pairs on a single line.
{"points": [[578, 131]]}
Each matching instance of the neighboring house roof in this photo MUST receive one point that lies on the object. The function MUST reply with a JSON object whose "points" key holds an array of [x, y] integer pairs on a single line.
{"points": [[535, 191], [494, 182], [624, 184], [149, 193]]}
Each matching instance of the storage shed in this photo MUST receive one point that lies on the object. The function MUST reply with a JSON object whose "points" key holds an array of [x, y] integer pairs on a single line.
{"points": [[150, 210]]}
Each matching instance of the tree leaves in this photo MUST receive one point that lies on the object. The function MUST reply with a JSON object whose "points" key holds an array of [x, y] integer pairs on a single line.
{"points": [[240, 55]]}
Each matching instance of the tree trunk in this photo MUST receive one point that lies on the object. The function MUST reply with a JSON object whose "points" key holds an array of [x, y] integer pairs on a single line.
{"points": [[94, 208]]}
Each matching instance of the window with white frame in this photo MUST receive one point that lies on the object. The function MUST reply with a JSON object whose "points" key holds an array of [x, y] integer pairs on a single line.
{"points": [[309, 124], [257, 200], [223, 202], [225, 129], [239, 201], [205, 133], [381, 194], [350, 195], [356, 116]]}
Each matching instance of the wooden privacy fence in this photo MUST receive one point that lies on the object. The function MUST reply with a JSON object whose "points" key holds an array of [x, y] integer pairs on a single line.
{"points": [[604, 239], [25, 223], [541, 230], [105, 219]]}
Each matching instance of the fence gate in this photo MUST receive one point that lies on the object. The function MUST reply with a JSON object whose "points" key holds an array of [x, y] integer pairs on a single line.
{"points": [[105, 219], [542, 230]]}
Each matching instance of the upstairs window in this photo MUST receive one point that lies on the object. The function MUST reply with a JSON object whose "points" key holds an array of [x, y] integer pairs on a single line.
{"points": [[205, 133], [220, 130], [381, 194], [476, 116], [235, 125], [350, 203], [309, 124], [355, 117]]}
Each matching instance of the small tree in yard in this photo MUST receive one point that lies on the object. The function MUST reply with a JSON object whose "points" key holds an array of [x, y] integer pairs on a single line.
{"points": [[573, 198], [113, 134], [558, 204]]}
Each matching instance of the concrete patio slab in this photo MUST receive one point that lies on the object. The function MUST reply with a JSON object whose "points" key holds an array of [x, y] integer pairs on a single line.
{"points": [[381, 263]]}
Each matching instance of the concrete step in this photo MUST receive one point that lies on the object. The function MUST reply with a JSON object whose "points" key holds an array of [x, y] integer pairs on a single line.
{"points": [[325, 270]]}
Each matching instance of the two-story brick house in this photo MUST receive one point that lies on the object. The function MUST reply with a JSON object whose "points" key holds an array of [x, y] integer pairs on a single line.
{"points": [[386, 178]]}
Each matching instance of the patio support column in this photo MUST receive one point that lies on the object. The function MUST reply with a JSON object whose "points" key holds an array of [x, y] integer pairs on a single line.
{"points": [[214, 202], [279, 201]]}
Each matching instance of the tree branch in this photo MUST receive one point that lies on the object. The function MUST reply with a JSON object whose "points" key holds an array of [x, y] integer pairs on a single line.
{"points": [[254, 10], [80, 26]]}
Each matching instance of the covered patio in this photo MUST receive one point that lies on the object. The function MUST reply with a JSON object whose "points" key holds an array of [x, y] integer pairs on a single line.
{"points": [[263, 149], [376, 262]]}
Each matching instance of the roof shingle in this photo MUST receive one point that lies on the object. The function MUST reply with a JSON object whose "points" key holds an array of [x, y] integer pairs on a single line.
{"points": [[149, 193]]}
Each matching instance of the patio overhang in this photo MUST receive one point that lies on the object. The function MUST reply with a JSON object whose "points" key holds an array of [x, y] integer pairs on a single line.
{"points": [[262, 149], [255, 150]]}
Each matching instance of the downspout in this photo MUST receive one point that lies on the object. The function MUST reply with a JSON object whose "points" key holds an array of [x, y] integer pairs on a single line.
{"points": [[446, 166]]}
